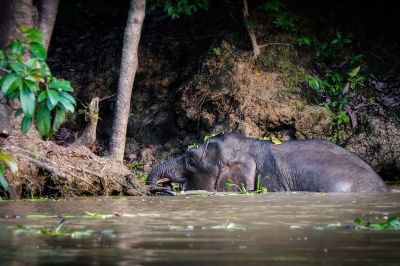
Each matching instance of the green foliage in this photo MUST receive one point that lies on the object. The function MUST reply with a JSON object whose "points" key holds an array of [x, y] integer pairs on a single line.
{"points": [[176, 8], [6, 161], [58, 231], [341, 40], [303, 41], [210, 136], [217, 51], [333, 87], [138, 170], [285, 21], [193, 146], [260, 189], [281, 18], [241, 188], [274, 6], [336, 83], [391, 223], [44, 98], [177, 187]]}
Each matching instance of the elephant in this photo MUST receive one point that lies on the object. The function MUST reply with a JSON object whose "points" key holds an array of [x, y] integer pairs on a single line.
{"points": [[295, 165]]}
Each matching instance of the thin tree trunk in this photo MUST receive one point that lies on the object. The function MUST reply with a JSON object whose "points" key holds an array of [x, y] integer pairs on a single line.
{"points": [[15, 14], [47, 17], [246, 16], [129, 63]]}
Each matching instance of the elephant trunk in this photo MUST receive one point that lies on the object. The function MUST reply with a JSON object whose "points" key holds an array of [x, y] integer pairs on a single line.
{"points": [[170, 171]]}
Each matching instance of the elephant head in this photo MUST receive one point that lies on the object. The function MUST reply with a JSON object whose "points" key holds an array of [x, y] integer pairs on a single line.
{"points": [[209, 166]]}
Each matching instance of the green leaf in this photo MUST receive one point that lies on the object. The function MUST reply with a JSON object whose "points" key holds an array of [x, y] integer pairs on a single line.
{"points": [[42, 96], [18, 67], [354, 72], [26, 124], [61, 84], [314, 84], [10, 83], [9, 161], [3, 181], [38, 50], [19, 112], [43, 120], [31, 85], [66, 105], [58, 119], [33, 64], [210, 136], [32, 34], [52, 99], [3, 60], [28, 101], [17, 48], [68, 97]]}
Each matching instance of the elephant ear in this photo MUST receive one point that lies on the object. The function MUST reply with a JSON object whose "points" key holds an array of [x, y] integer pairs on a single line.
{"points": [[241, 170]]}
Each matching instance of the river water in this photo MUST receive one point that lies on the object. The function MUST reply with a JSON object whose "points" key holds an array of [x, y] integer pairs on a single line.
{"points": [[271, 229]]}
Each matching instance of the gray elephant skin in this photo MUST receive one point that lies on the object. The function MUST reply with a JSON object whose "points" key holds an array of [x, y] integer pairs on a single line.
{"points": [[307, 165]]}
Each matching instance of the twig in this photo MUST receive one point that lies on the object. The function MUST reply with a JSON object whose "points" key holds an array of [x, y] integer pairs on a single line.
{"points": [[5, 70], [107, 97], [274, 43]]}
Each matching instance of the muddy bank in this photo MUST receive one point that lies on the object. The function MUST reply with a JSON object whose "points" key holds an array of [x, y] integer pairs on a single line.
{"points": [[51, 170]]}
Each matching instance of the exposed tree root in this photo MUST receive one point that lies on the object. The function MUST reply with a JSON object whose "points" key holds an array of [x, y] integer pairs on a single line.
{"points": [[47, 169]]}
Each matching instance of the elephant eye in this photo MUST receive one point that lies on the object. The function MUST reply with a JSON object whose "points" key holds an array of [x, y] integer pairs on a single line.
{"points": [[191, 163]]}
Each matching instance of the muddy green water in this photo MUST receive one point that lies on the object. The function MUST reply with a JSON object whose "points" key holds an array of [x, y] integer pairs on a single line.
{"points": [[271, 229]]}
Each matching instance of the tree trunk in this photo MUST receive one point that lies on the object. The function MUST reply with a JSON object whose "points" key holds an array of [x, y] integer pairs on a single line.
{"points": [[252, 35], [47, 18], [129, 63], [17, 13]]}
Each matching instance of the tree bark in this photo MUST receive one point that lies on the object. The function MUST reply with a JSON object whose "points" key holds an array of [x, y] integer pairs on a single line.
{"points": [[47, 18], [17, 13], [129, 63]]}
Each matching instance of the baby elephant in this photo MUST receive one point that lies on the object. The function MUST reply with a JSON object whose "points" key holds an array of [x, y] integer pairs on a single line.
{"points": [[309, 165]]}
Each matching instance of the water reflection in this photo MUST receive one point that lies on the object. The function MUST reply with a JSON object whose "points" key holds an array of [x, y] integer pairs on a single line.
{"points": [[279, 228]]}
